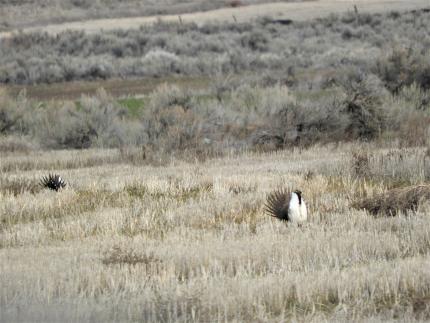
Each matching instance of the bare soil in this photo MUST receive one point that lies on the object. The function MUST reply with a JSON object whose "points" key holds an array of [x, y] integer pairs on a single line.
{"points": [[115, 87]]}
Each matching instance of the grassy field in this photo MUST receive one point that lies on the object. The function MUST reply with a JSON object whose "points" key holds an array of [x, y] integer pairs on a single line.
{"points": [[190, 241], [171, 136]]}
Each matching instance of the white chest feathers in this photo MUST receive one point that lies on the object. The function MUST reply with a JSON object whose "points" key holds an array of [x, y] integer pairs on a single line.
{"points": [[297, 211]]}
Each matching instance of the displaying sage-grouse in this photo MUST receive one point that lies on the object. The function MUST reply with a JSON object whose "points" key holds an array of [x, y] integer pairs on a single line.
{"points": [[287, 206], [53, 182]]}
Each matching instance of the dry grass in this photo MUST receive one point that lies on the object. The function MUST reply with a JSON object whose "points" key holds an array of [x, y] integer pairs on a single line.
{"points": [[396, 200], [16, 186], [191, 242]]}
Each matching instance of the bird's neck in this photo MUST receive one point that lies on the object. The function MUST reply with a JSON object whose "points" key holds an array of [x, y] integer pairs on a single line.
{"points": [[299, 196]]}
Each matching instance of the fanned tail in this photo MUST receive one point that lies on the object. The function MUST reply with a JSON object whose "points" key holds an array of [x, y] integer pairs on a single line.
{"points": [[277, 204], [53, 182]]}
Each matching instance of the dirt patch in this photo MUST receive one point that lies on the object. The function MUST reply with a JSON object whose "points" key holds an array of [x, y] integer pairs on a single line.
{"points": [[116, 87]]}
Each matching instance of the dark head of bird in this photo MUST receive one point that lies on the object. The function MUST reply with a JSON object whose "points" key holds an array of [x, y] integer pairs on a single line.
{"points": [[299, 194], [53, 182]]}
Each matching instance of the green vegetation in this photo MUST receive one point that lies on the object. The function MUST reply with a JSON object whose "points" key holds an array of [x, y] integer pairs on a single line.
{"points": [[134, 105]]}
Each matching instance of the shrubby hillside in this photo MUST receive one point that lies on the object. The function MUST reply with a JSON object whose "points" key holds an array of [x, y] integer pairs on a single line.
{"points": [[342, 78], [394, 46], [219, 120]]}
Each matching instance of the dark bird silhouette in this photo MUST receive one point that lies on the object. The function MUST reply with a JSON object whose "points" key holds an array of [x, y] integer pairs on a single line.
{"points": [[53, 182]]}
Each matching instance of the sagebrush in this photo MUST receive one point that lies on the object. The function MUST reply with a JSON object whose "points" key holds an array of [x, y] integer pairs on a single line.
{"points": [[393, 47]]}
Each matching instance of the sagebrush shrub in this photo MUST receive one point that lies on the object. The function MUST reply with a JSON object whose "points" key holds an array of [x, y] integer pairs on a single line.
{"points": [[363, 106], [360, 163], [264, 47], [13, 144], [217, 120], [12, 113], [403, 67]]}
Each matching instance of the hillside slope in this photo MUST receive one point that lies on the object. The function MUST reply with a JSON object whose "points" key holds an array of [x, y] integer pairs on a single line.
{"points": [[295, 11]]}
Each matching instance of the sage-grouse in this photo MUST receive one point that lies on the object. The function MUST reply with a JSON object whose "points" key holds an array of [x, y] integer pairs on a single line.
{"points": [[287, 206]]}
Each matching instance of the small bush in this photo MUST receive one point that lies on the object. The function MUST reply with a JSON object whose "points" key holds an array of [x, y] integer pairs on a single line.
{"points": [[120, 256], [404, 67], [395, 200], [14, 144], [11, 113], [363, 106], [360, 163], [414, 130], [171, 122], [95, 121], [308, 122], [158, 62], [266, 141], [409, 116]]}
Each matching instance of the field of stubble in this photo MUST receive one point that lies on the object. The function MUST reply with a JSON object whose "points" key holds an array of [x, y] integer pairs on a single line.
{"points": [[190, 241]]}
